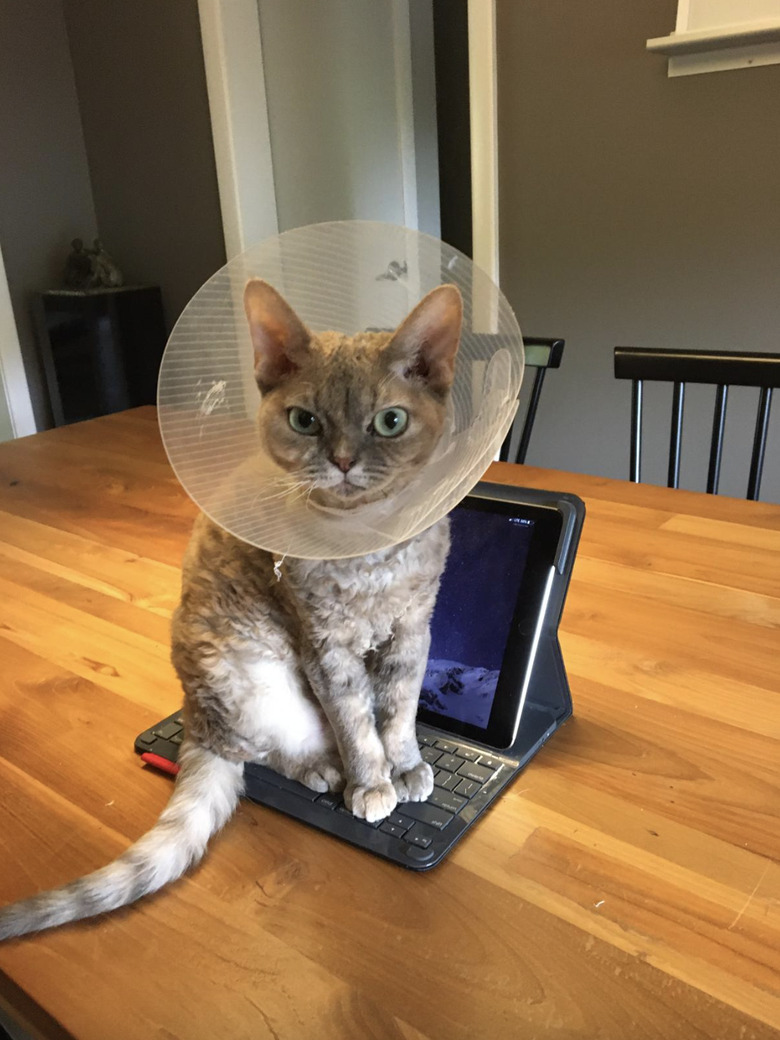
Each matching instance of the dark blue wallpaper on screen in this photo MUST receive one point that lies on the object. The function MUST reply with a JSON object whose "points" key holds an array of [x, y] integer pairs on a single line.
{"points": [[474, 612]]}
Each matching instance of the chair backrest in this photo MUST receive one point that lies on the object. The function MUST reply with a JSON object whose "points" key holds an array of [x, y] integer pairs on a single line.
{"points": [[541, 354], [721, 369]]}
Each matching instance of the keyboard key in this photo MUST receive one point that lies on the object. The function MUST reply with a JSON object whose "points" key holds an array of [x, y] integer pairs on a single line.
{"points": [[177, 738], [294, 787], [446, 800], [179, 720], [398, 821], [329, 801], [447, 781], [468, 753], [489, 763], [147, 739], [426, 738], [468, 788], [447, 745], [430, 755], [475, 772], [167, 730], [430, 814], [392, 828], [420, 835], [450, 762]]}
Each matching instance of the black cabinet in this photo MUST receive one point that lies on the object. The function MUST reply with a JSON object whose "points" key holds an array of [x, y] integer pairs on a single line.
{"points": [[100, 350]]}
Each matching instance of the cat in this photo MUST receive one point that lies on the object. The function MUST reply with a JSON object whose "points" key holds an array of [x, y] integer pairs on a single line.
{"points": [[312, 667]]}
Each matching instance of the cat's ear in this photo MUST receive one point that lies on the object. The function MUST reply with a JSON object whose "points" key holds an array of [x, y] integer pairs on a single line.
{"points": [[424, 346], [279, 336]]}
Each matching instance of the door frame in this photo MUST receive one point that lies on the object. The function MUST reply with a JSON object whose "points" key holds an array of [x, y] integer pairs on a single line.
{"points": [[483, 120], [235, 80], [13, 380]]}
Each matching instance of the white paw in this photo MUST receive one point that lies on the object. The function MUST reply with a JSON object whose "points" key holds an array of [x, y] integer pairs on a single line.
{"points": [[371, 803], [415, 784]]}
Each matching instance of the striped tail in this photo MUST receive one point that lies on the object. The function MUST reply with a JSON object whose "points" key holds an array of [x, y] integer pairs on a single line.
{"points": [[206, 793]]}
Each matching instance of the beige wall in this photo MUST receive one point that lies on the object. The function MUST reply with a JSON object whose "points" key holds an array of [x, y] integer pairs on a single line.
{"points": [[638, 210], [45, 194], [142, 93]]}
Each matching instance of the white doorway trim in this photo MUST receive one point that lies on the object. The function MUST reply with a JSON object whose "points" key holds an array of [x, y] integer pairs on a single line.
{"points": [[231, 34], [484, 134], [13, 381], [404, 102], [233, 56]]}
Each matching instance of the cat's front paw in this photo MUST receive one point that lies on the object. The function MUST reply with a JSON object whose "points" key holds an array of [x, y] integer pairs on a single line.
{"points": [[371, 803], [323, 777], [415, 784]]}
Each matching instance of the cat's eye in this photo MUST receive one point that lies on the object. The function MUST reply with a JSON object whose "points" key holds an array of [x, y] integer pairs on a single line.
{"points": [[390, 421], [303, 421]]}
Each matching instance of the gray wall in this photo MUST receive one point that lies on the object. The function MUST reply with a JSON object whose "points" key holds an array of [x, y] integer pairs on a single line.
{"points": [[636, 210], [45, 194], [142, 93]]}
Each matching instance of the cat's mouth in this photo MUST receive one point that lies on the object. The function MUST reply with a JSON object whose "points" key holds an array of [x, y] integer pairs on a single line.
{"points": [[348, 492]]}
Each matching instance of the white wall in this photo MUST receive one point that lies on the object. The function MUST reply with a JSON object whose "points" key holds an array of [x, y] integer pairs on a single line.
{"points": [[6, 429], [16, 413], [335, 113]]}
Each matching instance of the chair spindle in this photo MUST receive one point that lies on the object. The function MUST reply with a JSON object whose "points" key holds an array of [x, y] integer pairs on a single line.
{"points": [[533, 404], [716, 444], [675, 443], [759, 443], [636, 430]]}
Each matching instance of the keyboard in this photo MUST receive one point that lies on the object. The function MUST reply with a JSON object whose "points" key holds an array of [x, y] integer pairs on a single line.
{"points": [[467, 778]]}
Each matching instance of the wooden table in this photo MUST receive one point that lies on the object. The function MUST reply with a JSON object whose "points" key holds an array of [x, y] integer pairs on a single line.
{"points": [[626, 886]]}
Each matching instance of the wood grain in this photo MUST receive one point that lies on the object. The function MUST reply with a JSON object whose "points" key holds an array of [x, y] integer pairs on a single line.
{"points": [[628, 885]]}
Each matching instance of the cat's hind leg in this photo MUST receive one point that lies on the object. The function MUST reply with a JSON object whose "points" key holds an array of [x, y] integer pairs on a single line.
{"points": [[289, 727]]}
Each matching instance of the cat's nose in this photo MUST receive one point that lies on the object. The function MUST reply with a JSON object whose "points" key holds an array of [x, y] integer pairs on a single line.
{"points": [[344, 462]]}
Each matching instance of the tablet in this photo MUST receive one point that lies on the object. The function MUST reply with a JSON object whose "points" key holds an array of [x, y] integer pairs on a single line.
{"points": [[489, 617]]}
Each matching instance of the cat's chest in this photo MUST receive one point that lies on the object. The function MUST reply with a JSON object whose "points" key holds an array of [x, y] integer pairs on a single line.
{"points": [[365, 596]]}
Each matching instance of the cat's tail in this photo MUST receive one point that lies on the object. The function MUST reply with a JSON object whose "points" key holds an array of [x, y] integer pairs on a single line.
{"points": [[206, 793]]}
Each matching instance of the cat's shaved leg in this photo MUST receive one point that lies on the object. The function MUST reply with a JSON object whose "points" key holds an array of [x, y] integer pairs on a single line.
{"points": [[399, 671], [340, 681]]}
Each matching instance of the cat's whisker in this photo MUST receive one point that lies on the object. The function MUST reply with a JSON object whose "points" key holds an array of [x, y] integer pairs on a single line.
{"points": [[305, 491], [290, 489]]}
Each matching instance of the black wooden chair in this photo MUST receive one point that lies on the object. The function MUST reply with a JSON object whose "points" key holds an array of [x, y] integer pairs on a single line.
{"points": [[722, 369], [540, 354]]}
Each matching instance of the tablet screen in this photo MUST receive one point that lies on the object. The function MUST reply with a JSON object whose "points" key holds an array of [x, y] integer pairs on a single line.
{"points": [[491, 595], [474, 612]]}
